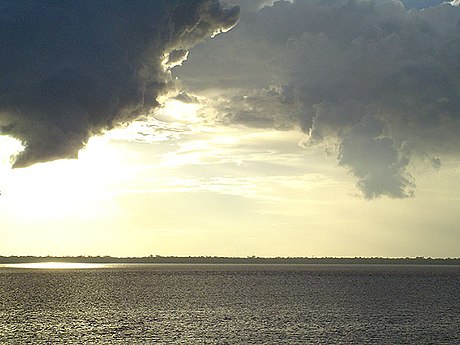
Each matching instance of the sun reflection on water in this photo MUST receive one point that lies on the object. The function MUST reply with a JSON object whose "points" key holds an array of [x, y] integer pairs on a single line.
{"points": [[54, 265]]}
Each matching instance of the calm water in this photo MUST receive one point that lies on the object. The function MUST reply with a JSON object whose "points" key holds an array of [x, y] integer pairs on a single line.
{"points": [[231, 304]]}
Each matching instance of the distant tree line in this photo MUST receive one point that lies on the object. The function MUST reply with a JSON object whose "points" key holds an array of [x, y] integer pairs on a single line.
{"points": [[158, 259]]}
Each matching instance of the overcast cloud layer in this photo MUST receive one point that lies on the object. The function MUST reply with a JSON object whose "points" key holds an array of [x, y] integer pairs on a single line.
{"points": [[69, 69], [378, 80]]}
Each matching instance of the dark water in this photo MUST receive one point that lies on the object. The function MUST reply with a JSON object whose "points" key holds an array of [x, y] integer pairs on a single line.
{"points": [[231, 304]]}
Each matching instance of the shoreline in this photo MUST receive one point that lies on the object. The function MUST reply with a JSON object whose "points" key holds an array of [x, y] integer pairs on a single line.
{"points": [[230, 260]]}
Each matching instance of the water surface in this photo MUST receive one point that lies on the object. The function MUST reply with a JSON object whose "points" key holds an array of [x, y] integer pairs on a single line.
{"points": [[231, 304]]}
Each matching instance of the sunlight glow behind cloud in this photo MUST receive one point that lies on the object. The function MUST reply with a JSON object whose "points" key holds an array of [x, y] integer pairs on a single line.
{"points": [[9, 147]]}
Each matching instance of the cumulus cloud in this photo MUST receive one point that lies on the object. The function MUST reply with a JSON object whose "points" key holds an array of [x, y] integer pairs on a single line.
{"points": [[375, 160], [250, 5], [70, 69], [379, 78], [421, 4]]}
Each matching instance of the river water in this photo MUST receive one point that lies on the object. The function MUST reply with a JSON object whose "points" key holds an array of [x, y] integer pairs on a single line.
{"points": [[230, 304]]}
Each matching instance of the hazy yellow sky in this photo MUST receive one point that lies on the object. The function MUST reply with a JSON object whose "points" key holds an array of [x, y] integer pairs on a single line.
{"points": [[215, 190]]}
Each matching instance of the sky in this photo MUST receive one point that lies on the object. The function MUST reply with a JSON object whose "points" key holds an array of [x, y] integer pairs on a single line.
{"points": [[231, 128]]}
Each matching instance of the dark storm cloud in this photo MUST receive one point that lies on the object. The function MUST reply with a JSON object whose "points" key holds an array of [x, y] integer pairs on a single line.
{"points": [[420, 4], [342, 70], [69, 69], [250, 5]]}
